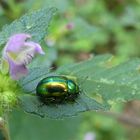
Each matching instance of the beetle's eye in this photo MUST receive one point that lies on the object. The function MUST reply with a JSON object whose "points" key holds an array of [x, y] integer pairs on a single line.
{"points": [[71, 86]]}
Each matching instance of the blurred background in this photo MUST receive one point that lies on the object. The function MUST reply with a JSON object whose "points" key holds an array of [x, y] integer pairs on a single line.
{"points": [[81, 29]]}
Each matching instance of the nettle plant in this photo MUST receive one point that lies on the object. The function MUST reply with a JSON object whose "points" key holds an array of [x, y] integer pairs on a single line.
{"points": [[89, 85]]}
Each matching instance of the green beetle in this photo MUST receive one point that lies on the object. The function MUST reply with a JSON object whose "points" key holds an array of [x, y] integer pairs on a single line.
{"points": [[57, 89]]}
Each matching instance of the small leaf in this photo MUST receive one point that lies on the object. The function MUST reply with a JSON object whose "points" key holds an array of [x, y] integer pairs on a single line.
{"points": [[35, 23], [100, 83]]}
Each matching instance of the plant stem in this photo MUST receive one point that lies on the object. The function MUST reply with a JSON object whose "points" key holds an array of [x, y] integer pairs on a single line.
{"points": [[4, 129]]}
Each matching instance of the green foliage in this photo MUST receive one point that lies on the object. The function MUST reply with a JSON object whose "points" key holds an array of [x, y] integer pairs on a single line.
{"points": [[103, 127], [96, 78], [35, 128], [9, 91], [120, 82], [35, 23], [103, 27], [99, 27]]}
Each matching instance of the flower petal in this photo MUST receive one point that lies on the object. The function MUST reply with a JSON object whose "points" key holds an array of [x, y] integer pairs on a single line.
{"points": [[19, 52], [36, 46], [17, 70], [16, 42]]}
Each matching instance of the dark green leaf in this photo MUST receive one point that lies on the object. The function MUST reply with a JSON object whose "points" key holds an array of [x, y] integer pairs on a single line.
{"points": [[35, 23], [96, 77], [32, 104], [34, 128]]}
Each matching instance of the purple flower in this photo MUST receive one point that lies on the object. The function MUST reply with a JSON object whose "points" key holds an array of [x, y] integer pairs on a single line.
{"points": [[89, 136], [19, 52]]}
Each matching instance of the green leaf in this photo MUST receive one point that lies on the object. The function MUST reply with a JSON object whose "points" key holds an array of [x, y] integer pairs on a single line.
{"points": [[34, 128], [100, 84], [35, 23], [31, 104], [111, 83]]}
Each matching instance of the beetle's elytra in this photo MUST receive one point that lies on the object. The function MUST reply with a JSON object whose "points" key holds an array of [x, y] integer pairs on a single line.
{"points": [[57, 89]]}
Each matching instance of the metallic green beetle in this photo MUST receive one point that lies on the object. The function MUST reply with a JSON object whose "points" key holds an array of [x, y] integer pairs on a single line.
{"points": [[57, 89]]}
